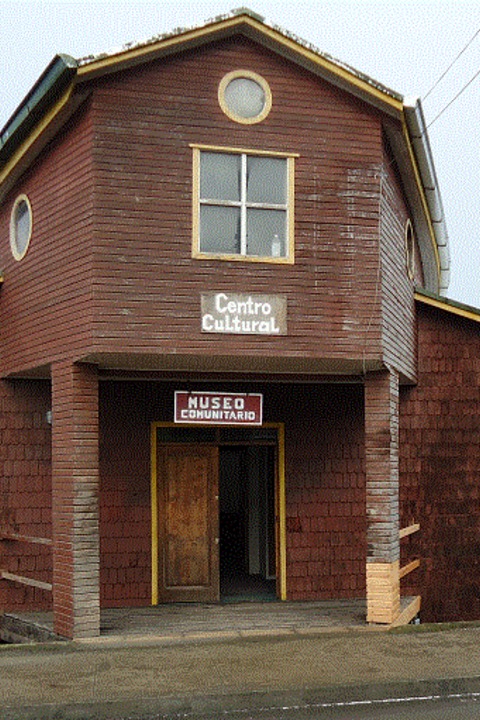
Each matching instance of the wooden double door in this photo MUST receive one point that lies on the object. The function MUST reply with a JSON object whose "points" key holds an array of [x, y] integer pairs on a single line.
{"points": [[194, 483]]}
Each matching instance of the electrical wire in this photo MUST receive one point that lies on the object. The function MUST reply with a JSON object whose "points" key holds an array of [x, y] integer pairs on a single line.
{"points": [[451, 65], [454, 98]]}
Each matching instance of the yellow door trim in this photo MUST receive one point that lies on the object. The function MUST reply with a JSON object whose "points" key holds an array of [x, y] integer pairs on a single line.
{"points": [[280, 502], [282, 513], [154, 507]]}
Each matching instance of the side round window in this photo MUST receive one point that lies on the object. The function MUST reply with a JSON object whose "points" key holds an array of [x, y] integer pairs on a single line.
{"points": [[410, 249], [245, 97], [20, 227]]}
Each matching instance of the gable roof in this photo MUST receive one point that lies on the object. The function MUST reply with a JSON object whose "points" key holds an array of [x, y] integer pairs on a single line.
{"points": [[64, 85]]}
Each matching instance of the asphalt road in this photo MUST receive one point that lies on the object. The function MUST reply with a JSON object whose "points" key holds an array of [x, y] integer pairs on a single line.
{"points": [[459, 707]]}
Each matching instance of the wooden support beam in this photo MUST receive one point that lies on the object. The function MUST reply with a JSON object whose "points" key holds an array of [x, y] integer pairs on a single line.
{"points": [[409, 530], [409, 568], [383, 592], [408, 612], [25, 538], [25, 581]]}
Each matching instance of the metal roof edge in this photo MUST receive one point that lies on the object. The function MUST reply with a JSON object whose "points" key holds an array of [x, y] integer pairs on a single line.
{"points": [[417, 130], [44, 93], [446, 304]]}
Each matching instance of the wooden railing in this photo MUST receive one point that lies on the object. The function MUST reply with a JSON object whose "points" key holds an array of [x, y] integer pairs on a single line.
{"points": [[409, 530], [411, 607], [24, 538], [21, 579]]}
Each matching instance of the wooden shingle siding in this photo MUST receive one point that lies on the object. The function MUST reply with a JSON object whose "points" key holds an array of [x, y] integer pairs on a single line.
{"points": [[439, 467], [148, 286], [398, 307], [26, 499], [45, 309]]}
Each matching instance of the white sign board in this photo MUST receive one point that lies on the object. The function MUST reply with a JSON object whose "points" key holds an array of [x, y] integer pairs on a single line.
{"points": [[241, 314]]}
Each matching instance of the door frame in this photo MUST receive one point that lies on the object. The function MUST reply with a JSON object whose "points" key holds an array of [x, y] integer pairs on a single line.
{"points": [[280, 505]]}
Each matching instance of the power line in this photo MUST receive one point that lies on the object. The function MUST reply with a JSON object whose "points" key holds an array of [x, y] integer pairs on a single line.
{"points": [[453, 99], [451, 65]]}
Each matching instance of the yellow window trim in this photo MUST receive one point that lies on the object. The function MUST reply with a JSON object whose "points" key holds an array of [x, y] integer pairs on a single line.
{"points": [[196, 253], [234, 75], [248, 151], [280, 500]]}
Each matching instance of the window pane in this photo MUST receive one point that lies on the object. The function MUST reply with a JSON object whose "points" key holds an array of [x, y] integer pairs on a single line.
{"points": [[267, 180], [220, 176], [245, 97], [22, 226], [219, 229], [266, 233]]}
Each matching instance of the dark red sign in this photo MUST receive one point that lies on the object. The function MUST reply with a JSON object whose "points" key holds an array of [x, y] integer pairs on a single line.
{"points": [[211, 408]]}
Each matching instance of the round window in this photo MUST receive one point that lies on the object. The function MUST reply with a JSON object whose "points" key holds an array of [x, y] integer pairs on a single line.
{"points": [[20, 227], [245, 97], [410, 249]]}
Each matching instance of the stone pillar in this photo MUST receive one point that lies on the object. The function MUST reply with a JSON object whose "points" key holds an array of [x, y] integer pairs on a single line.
{"points": [[381, 465], [76, 557]]}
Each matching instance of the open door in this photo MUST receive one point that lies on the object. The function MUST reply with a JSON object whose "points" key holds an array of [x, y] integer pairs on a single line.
{"points": [[247, 522], [188, 555]]}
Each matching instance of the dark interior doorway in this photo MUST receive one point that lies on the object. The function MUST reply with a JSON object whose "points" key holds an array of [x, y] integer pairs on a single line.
{"points": [[247, 522]]}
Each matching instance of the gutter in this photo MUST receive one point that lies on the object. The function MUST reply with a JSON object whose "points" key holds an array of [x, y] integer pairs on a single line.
{"points": [[44, 94], [418, 134]]}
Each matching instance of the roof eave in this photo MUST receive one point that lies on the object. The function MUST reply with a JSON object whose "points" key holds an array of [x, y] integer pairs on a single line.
{"points": [[42, 97], [59, 90], [447, 305], [251, 25]]}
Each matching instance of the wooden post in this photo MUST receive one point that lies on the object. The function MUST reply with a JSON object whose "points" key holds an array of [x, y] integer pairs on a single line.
{"points": [[76, 574], [381, 465]]}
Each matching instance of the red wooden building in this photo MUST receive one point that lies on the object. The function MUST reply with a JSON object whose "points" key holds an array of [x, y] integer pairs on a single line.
{"points": [[226, 363]]}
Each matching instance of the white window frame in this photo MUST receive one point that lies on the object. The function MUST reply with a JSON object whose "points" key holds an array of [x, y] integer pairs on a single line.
{"points": [[287, 207]]}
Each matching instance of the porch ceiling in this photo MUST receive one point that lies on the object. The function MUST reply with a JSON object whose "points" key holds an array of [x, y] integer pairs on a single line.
{"points": [[245, 364]]}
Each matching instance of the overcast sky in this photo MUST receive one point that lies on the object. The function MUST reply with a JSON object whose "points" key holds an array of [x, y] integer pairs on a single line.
{"points": [[405, 44]]}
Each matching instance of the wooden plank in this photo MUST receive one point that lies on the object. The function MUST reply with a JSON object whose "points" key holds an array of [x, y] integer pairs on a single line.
{"points": [[409, 568], [25, 581], [409, 530], [25, 538], [408, 613]]}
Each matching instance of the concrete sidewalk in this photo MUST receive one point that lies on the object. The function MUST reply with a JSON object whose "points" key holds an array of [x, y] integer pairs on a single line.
{"points": [[202, 673]]}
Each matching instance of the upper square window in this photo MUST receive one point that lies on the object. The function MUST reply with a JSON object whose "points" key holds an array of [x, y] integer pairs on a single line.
{"points": [[245, 97], [20, 227], [243, 205]]}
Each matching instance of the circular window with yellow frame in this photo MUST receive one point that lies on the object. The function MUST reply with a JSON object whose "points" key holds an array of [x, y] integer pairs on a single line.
{"points": [[21, 224], [245, 97]]}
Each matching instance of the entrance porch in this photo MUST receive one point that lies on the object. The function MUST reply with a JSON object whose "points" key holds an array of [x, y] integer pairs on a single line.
{"points": [[183, 621]]}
